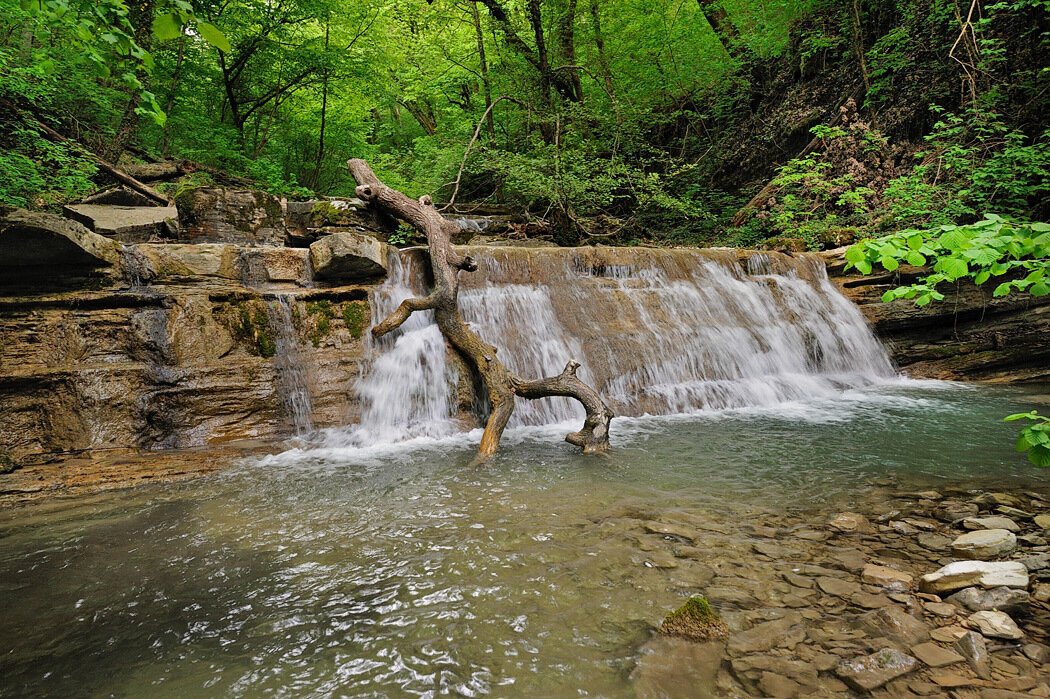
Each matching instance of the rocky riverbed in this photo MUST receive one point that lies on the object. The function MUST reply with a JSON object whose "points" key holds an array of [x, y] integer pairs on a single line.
{"points": [[886, 600]]}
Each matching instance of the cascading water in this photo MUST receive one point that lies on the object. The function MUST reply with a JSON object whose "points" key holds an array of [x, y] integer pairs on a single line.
{"points": [[656, 331], [407, 390], [294, 384], [295, 388]]}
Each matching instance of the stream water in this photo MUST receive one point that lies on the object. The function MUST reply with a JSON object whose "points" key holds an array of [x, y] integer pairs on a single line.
{"points": [[396, 570], [751, 398]]}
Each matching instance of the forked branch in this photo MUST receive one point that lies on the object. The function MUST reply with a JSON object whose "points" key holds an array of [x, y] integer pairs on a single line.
{"points": [[446, 264]]}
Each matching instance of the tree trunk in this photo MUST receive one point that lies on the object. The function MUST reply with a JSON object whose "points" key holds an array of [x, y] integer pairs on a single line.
{"points": [[500, 383], [483, 64]]}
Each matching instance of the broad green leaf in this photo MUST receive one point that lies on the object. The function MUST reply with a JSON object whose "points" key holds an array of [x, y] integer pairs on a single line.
{"points": [[889, 263], [1040, 456], [864, 266], [1040, 227], [915, 242], [953, 268], [854, 254], [213, 36], [889, 296], [954, 239], [167, 26], [915, 259], [1002, 290], [982, 277], [1040, 289], [1030, 415]]}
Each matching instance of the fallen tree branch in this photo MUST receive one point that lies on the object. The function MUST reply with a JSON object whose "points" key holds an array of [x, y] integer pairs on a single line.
{"points": [[445, 263], [112, 171]]}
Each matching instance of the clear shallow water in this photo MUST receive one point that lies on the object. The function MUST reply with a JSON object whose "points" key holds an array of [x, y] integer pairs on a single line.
{"points": [[396, 570]]}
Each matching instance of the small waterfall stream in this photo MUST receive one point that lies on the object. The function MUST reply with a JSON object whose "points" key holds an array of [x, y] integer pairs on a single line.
{"points": [[293, 382], [656, 332]]}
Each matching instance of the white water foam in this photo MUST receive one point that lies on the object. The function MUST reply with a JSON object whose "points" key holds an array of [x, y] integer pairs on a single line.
{"points": [[673, 334]]}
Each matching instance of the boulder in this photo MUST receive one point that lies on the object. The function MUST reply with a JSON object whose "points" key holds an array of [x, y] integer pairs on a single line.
{"points": [[872, 671], [885, 577], [960, 574], [992, 522], [239, 216], [187, 259], [349, 257], [995, 625], [128, 224], [268, 264], [37, 243], [1003, 599], [984, 544]]}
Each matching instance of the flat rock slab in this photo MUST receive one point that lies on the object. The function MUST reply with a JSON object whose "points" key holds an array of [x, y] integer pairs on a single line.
{"points": [[894, 623], [984, 544], [960, 574], [977, 523], [349, 257], [31, 239], [839, 588], [238, 216], [995, 625], [128, 224], [189, 259], [872, 671], [935, 655], [885, 577], [849, 523], [781, 633]]}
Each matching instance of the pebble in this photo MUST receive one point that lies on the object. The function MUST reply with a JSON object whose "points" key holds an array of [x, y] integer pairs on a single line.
{"points": [[995, 625]]}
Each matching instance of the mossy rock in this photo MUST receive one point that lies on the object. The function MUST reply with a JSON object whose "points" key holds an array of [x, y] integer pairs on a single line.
{"points": [[7, 463], [356, 316], [696, 621]]}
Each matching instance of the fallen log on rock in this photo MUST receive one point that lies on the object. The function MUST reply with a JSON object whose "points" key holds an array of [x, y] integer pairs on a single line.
{"points": [[445, 263]]}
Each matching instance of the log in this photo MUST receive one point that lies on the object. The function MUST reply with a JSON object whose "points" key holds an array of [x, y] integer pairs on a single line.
{"points": [[502, 385], [113, 172]]}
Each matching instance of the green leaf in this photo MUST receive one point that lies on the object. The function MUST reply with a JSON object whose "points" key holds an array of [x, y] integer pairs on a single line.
{"points": [[1030, 415], [854, 254], [1040, 289], [915, 242], [889, 263], [167, 26], [955, 239], [213, 36], [1040, 227], [915, 259], [864, 266], [953, 268], [1040, 456], [1002, 290]]}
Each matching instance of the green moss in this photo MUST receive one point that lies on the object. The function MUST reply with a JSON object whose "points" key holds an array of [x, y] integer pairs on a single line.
{"points": [[355, 315], [253, 327], [696, 621], [321, 315]]}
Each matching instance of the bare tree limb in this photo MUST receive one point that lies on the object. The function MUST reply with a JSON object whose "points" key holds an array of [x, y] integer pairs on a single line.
{"points": [[500, 383]]}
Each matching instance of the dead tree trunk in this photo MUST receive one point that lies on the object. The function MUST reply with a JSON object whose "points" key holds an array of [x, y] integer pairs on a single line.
{"points": [[502, 385]]}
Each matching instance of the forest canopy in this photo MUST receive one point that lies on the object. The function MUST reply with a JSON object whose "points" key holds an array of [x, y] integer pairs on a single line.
{"points": [[616, 119]]}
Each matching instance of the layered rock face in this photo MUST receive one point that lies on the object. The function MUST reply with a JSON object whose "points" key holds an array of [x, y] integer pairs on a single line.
{"points": [[970, 335], [154, 345]]}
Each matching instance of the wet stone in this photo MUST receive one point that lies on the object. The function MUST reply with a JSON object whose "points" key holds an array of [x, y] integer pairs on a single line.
{"points": [[984, 544], [1004, 599], [935, 655], [892, 622], [849, 523], [977, 523], [837, 587], [960, 574], [950, 680], [671, 530], [995, 625], [866, 600], [872, 671], [799, 580], [773, 685], [885, 577], [781, 633]]}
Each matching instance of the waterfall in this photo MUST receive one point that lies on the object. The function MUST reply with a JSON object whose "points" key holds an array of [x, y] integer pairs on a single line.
{"points": [[295, 388], [293, 382], [656, 332]]}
